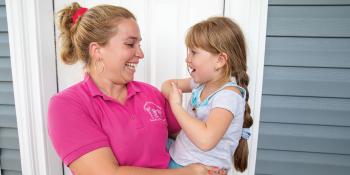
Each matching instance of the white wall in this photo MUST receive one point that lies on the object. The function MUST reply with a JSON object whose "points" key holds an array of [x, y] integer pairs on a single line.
{"points": [[163, 24]]}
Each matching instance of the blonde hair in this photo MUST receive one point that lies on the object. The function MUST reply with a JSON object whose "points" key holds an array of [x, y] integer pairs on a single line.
{"points": [[222, 35], [98, 24]]}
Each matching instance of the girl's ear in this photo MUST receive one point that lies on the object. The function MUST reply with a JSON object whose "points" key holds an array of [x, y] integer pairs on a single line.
{"points": [[222, 59], [94, 51]]}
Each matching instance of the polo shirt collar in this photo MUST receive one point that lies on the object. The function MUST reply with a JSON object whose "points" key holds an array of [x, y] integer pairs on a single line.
{"points": [[132, 89]]}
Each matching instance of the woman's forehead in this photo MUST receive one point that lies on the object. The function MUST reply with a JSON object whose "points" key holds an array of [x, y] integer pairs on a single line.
{"points": [[128, 29]]}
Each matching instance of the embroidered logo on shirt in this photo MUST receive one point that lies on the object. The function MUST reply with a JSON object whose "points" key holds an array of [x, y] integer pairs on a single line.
{"points": [[154, 111]]}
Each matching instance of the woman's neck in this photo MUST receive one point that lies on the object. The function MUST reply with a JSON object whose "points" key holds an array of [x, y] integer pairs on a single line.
{"points": [[108, 87]]}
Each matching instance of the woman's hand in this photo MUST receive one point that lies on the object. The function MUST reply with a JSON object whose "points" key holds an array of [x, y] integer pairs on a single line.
{"points": [[200, 169], [175, 95]]}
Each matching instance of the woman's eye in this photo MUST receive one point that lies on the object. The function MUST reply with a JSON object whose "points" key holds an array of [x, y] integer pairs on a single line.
{"points": [[130, 45]]}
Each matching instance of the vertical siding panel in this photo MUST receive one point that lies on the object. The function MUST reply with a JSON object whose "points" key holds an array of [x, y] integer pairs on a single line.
{"points": [[306, 99], [10, 163]]}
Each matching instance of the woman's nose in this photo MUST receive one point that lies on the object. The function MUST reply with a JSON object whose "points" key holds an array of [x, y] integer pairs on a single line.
{"points": [[139, 53]]}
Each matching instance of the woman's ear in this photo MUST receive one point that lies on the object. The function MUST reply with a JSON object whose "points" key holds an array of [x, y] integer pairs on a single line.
{"points": [[94, 50], [222, 59]]}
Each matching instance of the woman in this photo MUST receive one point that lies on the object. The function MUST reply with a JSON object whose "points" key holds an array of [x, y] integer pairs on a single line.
{"points": [[109, 124]]}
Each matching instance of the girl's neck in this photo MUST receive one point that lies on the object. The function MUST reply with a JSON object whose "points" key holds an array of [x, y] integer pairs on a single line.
{"points": [[212, 86], [216, 83]]}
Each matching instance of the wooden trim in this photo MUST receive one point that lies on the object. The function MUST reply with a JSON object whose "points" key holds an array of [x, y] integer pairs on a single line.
{"points": [[32, 49]]}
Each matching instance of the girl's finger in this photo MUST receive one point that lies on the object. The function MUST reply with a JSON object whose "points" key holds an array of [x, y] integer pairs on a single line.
{"points": [[180, 91], [173, 85]]}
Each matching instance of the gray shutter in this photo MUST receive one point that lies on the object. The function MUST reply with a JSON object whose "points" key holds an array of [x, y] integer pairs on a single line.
{"points": [[10, 163], [305, 114]]}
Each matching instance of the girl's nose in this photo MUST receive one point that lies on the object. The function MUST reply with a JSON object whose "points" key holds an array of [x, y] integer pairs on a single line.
{"points": [[188, 59]]}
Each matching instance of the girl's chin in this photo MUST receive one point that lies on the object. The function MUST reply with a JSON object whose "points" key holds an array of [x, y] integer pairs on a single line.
{"points": [[196, 80]]}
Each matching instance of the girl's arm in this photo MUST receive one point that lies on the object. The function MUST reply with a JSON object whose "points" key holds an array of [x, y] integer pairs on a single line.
{"points": [[204, 134], [102, 161], [183, 84]]}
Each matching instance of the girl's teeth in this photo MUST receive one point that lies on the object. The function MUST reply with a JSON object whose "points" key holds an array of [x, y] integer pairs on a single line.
{"points": [[190, 70]]}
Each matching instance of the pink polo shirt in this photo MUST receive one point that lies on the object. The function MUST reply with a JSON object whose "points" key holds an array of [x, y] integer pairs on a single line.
{"points": [[82, 119]]}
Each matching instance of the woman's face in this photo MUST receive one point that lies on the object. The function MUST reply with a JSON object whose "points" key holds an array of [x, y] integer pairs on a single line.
{"points": [[122, 53]]}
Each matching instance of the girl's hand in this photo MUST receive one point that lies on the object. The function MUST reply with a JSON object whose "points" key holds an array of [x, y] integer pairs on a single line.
{"points": [[175, 95], [200, 169]]}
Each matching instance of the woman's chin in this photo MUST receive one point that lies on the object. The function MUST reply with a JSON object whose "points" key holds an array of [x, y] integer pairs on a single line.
{"points": [[129, 74], [129, 77]]}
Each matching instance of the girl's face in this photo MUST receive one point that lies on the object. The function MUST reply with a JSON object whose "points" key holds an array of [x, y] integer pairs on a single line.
{"points": [[122, 53], [202, 65]]}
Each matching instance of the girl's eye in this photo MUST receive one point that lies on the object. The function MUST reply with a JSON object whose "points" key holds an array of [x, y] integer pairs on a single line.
{"points": [[192, 52]]}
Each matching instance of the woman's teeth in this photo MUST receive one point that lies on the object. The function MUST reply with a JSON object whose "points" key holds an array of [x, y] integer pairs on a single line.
{"points": [[131, 65]]}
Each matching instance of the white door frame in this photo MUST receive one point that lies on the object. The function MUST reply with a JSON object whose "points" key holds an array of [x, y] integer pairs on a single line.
{"points": [[32, 50], [251, 15]]}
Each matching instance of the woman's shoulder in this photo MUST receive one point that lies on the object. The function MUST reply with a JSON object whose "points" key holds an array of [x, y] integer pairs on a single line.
{"points": [[72, 94]]}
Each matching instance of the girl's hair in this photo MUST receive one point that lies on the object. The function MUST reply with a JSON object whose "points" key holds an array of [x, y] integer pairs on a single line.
{"points": [[222, 35], [97, 24]]}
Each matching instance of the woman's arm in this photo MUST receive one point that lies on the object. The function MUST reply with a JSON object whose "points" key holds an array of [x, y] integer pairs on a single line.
{"points": [[183, 84], [102, 161], [204, 134]]}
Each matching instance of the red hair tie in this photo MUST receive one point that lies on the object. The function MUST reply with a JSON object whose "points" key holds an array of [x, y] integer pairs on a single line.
{"points": [[78, 13]]}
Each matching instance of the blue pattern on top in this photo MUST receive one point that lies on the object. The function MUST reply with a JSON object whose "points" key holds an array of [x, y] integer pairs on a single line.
{"points": [[196, 92]]}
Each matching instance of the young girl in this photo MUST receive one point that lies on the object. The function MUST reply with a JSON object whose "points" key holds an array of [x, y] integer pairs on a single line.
{"points": [[216, 124]]}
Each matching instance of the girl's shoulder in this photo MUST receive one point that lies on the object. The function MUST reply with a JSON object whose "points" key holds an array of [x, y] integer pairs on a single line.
{"points": [[232, 91], [233, 87]]}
